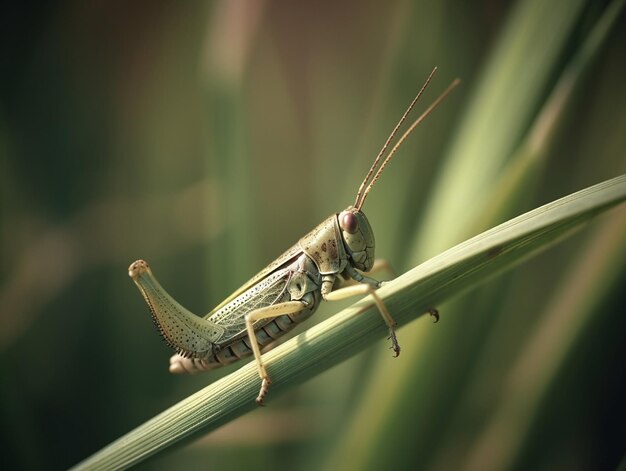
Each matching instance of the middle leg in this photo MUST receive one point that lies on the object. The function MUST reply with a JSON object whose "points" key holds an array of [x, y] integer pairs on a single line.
{"points": [[275, 310]]}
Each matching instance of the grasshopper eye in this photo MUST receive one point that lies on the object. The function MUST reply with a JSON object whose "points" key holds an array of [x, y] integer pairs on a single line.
{"points": [[348, 222]]}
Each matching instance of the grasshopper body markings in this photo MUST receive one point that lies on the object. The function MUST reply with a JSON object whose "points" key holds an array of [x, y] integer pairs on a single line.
{"points": [[285, 293]]}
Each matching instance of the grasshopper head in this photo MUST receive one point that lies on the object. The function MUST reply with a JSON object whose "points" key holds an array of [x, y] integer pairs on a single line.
{"points": [[358, 238]]}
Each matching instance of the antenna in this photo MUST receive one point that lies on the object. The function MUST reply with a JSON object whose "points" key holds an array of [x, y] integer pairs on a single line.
{"points": [[361, 195], [393, 133]]}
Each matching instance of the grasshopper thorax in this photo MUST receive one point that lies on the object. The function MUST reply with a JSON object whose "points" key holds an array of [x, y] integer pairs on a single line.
{"points": [[358, 238], [339, 240]]}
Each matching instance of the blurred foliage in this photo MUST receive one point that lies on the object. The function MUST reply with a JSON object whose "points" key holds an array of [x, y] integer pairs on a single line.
{"points": [[208, 137]]}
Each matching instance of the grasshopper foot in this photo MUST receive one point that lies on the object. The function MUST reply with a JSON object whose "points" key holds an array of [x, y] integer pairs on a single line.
{"points": [[434, 313], [394, 342], [265, 385]]}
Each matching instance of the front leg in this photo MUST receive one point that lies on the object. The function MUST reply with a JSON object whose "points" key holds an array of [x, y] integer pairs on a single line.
{"points": [[275, 310], [382, 265], [366, 286]]}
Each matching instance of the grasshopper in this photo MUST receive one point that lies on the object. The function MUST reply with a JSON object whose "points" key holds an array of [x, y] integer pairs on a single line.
{"points": [[286, 292]]}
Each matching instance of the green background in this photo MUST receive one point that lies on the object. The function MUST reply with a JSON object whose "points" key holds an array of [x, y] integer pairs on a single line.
{"points": [[208, 137]]}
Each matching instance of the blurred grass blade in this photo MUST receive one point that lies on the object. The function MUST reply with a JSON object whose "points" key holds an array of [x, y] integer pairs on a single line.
{"points": [[233, 28], [516, 184], [515, 181], [563, 323], [355, 328], [505, 102]]}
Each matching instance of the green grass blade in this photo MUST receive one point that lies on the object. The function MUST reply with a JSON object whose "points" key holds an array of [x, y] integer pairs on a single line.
{"points": [[548, 347], [352, 330]]}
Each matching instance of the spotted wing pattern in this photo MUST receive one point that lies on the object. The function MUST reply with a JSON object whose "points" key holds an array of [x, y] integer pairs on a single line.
{"points": [[267, 292], [283, 261]]}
